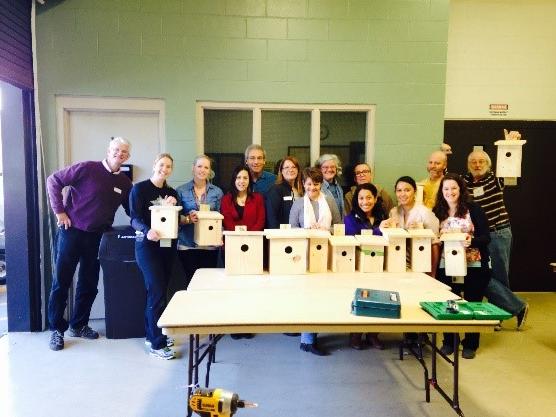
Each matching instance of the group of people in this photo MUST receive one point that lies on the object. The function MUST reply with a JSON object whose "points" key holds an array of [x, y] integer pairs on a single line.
{"points": [[311, 198]]}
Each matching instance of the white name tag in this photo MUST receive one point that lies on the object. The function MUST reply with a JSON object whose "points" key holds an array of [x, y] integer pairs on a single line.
{"points": [[478, 191], [288, 198], [117, 190]]}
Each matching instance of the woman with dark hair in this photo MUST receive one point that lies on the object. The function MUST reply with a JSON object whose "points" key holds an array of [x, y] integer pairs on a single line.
{"points": [[240, 206], [280, 197], [457, 212], [366, 213], [154, 260], [315, 210], [410, 215]]}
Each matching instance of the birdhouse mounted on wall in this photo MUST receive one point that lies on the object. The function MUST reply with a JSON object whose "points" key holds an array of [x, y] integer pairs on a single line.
{"points": [[421, 240], [208, 230], [342, 253], [165, 221], [243, 252], [508, 157], [454, 254], [370, 253], [288, 251], [318, 250], [396, 249]]}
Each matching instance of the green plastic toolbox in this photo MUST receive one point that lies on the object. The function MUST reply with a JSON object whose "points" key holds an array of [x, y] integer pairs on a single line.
{"points": [[376, 303], [467, 311]]}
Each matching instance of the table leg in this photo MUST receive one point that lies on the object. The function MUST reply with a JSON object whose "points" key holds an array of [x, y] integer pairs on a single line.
{"points": [[190, 374]]}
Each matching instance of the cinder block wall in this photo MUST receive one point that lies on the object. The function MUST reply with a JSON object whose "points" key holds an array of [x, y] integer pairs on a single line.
{"points": [[389, 53]]}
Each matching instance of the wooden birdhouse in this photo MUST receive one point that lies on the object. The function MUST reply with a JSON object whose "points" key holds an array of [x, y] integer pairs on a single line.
{"points": [[287, 251], [396, 249], [455, 261], [421, 241], [508, 158], [370, 253], [165, 221], [342, 253], [318, 250], [244, 252], [208, 230]]}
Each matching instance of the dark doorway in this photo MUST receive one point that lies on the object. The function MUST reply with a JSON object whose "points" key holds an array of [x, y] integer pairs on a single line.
{"points": [[530, 203]]}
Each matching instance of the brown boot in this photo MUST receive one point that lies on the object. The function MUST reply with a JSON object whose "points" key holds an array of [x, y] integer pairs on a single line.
{"points": [[374, 341], [356, 341]]}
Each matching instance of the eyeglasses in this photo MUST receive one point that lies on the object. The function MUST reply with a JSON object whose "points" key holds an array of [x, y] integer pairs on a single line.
{"points": [[290, 167], [364, 172]]}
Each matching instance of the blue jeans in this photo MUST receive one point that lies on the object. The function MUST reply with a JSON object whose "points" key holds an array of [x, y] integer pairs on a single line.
{"points": [[498, 291], [74, 246], [156, 264], [308, 338], [500, 247], [501, 296]]}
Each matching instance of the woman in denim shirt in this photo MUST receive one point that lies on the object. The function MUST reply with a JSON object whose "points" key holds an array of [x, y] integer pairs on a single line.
{"points": [[191, 195]]}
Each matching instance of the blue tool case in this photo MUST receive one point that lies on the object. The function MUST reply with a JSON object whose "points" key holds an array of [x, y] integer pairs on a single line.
{"points": [[376, 303]]}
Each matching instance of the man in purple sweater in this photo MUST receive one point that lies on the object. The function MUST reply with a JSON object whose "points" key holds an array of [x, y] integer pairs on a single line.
{"points": [[95, 191]]}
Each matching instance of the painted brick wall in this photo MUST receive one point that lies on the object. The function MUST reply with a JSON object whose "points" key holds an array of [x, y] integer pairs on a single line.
{"points": [[389, 53]]}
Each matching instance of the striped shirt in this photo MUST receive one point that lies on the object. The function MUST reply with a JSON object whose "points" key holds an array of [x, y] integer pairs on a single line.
{"points": [[488, 193]]}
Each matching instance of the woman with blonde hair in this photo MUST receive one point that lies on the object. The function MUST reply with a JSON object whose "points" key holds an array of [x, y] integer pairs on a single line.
{"points": [[192, 195]]}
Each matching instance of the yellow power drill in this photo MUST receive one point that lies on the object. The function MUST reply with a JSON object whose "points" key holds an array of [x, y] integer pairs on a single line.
{"points": [[217, 402]]}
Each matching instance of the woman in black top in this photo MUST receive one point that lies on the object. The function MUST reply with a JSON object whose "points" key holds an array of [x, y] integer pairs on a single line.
{"points": [[280, 196], [155, 262], [457, 213]]}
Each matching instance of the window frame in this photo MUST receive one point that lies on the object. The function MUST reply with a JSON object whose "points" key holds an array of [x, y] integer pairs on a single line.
{"points": [[315, 110]]}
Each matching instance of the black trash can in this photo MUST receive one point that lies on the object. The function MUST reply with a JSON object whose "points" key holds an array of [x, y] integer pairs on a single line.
{"points": [[124, 288]]}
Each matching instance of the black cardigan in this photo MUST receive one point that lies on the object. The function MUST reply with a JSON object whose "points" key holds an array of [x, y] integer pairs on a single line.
{"points": [[481, 236], [278, 209]]}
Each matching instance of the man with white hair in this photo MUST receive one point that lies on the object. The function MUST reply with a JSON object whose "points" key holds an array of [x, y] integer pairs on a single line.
{"points": [[488, 191], [436, 167], [95, 191]]}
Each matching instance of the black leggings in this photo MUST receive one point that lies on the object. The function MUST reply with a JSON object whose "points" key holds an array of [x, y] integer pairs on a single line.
{"points": [[474, 289], [193, 259]]}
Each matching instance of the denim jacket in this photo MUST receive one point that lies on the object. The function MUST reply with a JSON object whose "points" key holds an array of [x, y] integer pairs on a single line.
{"points": [[187, 201]]}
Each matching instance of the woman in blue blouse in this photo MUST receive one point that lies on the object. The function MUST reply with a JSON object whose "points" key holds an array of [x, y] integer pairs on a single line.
{"points": [[191, 195], [366, 214]]}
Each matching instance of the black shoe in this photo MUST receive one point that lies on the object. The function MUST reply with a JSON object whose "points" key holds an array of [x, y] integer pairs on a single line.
{"points": [[236, 336], [248, 335], [468, 353], [374, 341], [522, 317], [56, 340], [293, 334], [86, 332], [312, 348], [356, 341], [447, 349]]}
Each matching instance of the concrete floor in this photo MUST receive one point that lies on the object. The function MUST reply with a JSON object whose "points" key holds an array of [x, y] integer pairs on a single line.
{"points": [[509, 377], [3, 311]]}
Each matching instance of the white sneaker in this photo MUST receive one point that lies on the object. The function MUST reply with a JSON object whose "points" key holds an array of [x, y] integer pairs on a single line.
{"points": [[165, 353], [169, 342]]}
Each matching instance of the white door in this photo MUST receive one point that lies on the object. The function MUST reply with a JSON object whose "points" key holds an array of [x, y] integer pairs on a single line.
{"points": [[88, 135]]}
